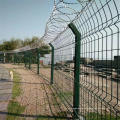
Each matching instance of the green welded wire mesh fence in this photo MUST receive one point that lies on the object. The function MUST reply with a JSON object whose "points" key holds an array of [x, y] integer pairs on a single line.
{"points": [[99, 97]]}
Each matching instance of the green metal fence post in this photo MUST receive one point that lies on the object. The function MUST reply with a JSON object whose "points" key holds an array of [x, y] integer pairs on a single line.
{"points": [[14, 58], [38, 61], [29, 56], [76, 69], [2, 56], [52, 63], [25, 59], [4, 59], [17, 58]]}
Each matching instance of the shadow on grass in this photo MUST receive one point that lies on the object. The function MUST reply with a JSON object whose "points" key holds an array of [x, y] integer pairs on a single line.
{"points": [[97, 116], [16, 115]]}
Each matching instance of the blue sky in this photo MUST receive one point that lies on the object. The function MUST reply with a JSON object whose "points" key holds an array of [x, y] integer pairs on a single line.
{"points": [[23, 18]]}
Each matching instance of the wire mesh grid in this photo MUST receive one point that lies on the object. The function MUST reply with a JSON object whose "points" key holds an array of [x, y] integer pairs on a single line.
{"points": [[99, 25]]}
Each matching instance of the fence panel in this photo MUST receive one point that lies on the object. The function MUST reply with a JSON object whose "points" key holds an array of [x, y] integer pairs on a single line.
{"points": [[99, 25]]}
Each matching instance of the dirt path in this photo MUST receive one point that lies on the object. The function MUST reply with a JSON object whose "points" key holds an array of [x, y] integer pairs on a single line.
{"points": [[37, 95], [5, 91]]}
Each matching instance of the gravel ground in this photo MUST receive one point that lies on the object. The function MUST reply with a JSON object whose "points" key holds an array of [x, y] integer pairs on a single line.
{"points": [[5, 91], [37, 95]]}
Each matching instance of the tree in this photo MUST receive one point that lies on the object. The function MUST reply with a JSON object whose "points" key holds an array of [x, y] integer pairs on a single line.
{"points": [[26, 42], [10, 45], [45, 49], [34, 42], [2, 47]]}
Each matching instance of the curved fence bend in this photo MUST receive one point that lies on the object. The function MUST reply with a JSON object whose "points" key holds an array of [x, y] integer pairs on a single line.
{"points": [[99, 78]]}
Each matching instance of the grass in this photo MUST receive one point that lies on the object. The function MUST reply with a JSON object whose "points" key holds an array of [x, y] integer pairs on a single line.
{"points": [[95, 116], [61, 95], [49, 118], [14, 107], [46, 118], [16, 91]]}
